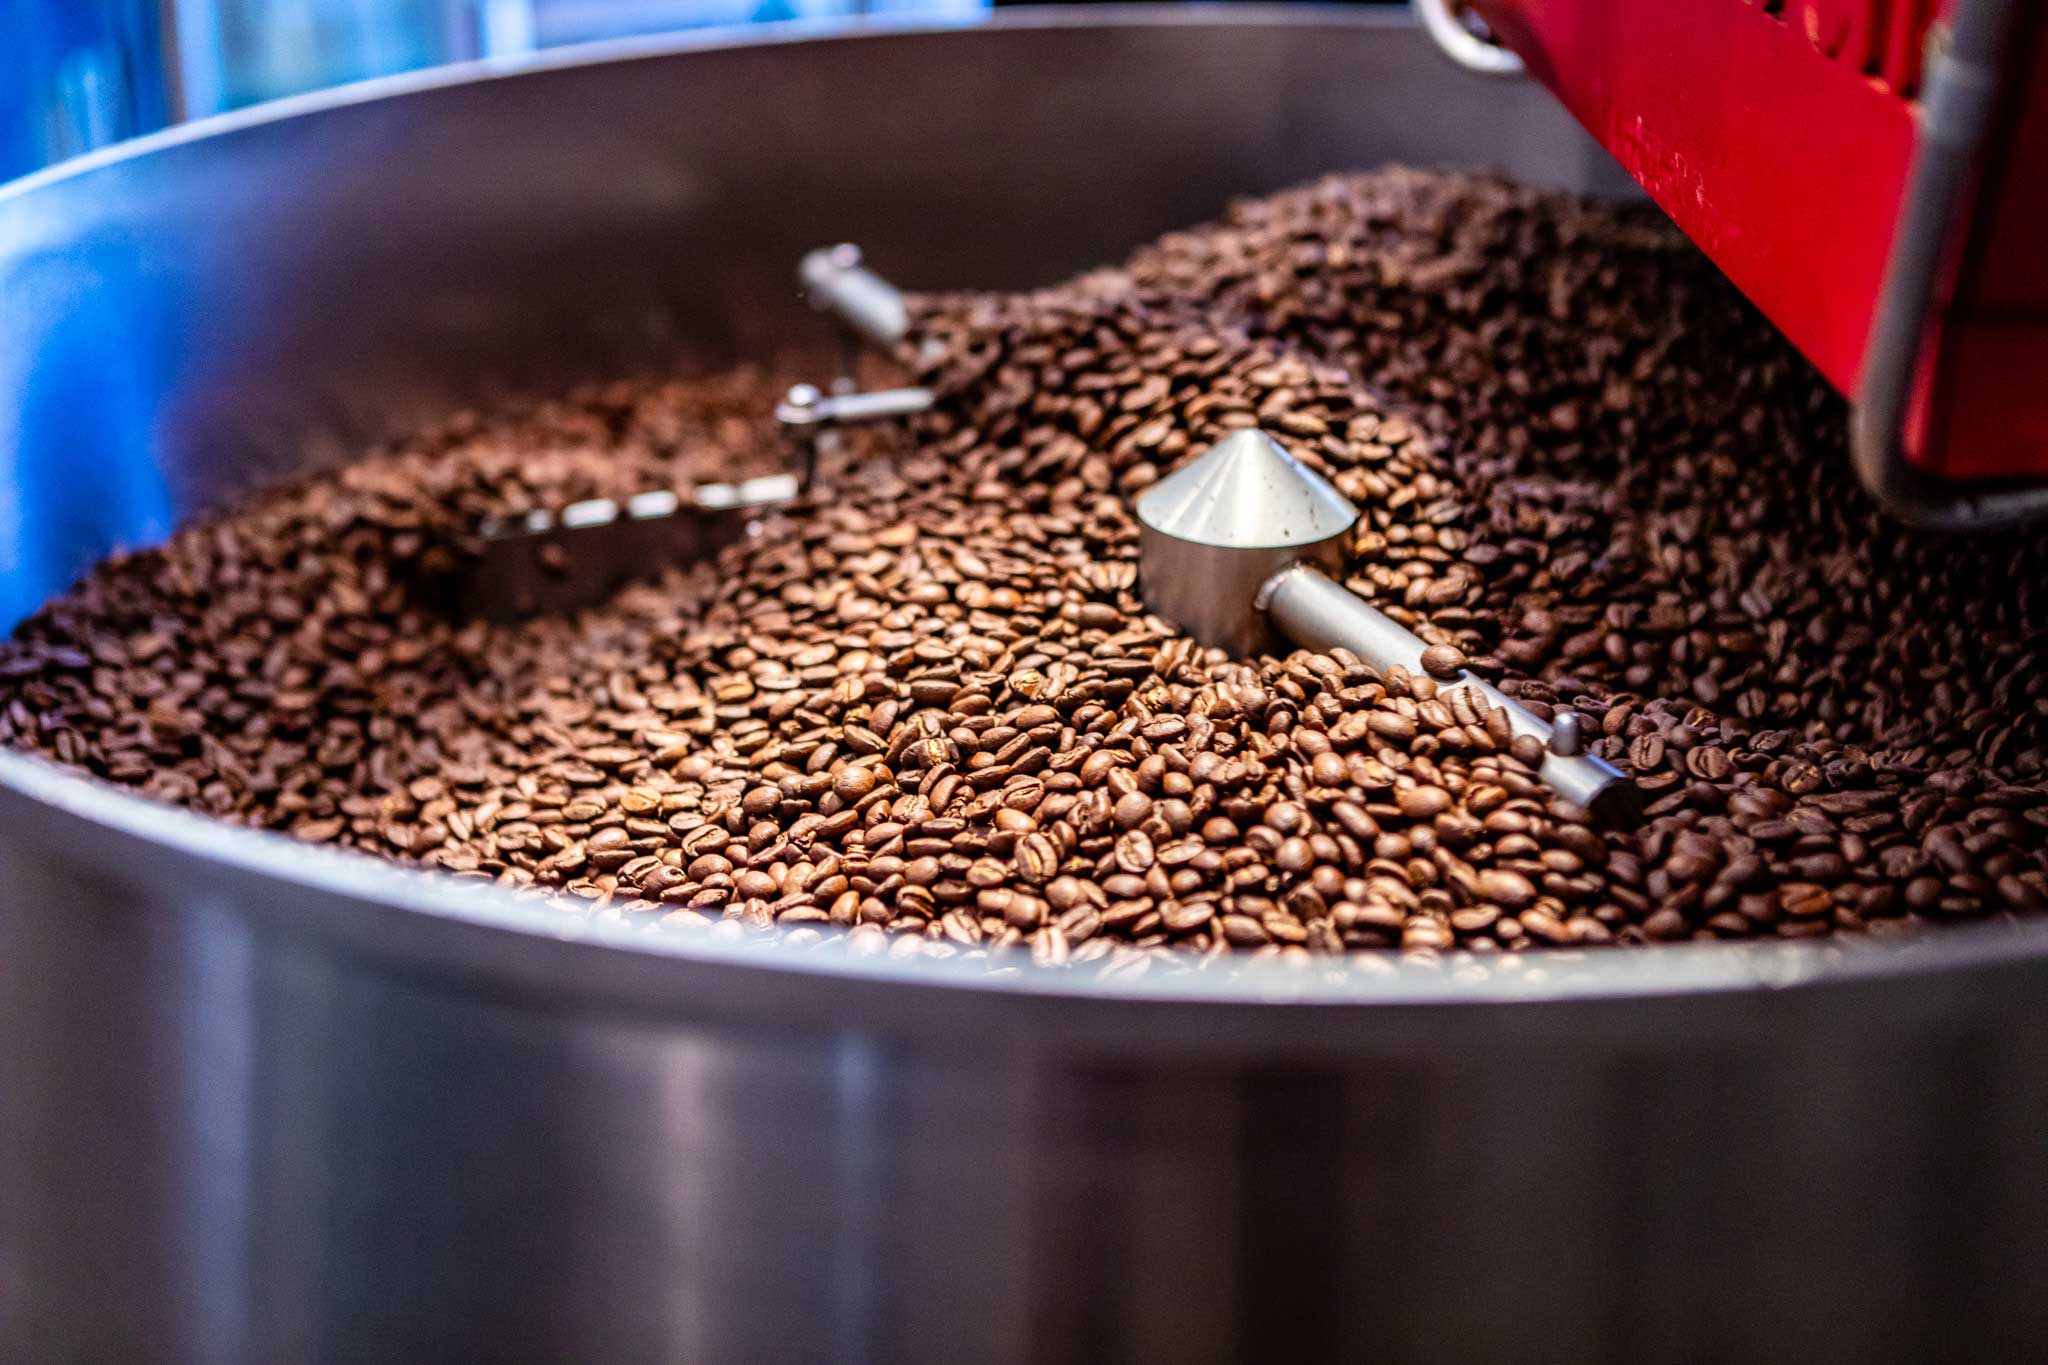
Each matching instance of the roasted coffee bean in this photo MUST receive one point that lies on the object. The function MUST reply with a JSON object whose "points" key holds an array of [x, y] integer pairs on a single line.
{"points": [[851, 782], [1134, 851], [925, 711], [1133, 808], [1443, 661], [1037, 859], [1391, 725], [1422, 803], [1510, 890]]}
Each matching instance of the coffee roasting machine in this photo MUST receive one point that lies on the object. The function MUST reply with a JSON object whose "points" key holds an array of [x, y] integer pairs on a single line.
{"points": [[1872, 173], [263, 1102]]}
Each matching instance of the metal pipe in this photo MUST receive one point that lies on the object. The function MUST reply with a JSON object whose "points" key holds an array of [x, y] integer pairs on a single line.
{"points": [[1317, 612], [1963, 67], [805, 406], [1446, 26], [812, 416], [836, 281]]}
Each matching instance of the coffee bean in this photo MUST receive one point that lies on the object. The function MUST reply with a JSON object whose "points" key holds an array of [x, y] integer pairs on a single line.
{"points": [[852, 782], [1422, 803], [1443, 661], [1355, 820], [1390, 725], [1511, 890], [1133, 808], [1037, 859], [1134, 852], [925, 711], [1286, 817]]}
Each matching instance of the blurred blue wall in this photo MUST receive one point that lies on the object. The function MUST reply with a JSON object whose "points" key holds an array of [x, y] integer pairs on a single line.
{"points": [[77, 74], [74, 75]]}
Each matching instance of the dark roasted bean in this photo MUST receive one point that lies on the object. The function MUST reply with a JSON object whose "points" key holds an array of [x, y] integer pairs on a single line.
{"points": [[927, 711]]}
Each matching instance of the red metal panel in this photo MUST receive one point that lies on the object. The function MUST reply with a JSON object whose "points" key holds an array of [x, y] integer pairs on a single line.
{"points": [[1989, 415], [1775, 134], [1779, 134]]}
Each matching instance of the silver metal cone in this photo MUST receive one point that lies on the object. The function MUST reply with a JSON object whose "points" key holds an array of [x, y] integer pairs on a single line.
{"points": [[1246, 492], [1211, 533]]}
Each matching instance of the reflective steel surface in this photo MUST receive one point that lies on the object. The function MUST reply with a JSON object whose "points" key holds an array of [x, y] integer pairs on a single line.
{"points": [[1215, 531], [260, 1103]]}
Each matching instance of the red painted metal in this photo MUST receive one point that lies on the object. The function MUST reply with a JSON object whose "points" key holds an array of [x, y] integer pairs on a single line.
{"points": [[1780, 135]]}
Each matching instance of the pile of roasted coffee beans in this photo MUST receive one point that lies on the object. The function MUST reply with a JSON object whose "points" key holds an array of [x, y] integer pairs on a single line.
{"points": [[929, 708]]}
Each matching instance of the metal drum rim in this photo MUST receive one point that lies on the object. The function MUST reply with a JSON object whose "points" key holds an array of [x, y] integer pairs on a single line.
{"points": [[500, 940], [717, 38]]}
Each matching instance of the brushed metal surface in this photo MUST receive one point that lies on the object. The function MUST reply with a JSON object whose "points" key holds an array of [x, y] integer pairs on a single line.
{"points": [[1213, 532], [260, 1103]]}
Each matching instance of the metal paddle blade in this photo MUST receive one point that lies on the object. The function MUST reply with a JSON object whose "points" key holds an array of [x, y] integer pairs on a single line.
{"points": [[562, 559]]}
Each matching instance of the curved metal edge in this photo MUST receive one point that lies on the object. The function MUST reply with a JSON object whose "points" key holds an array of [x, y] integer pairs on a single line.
{"points": [[451, 74], [1965, 65], [500, 940], [1463, 46], [496, 940], [654, 47]]}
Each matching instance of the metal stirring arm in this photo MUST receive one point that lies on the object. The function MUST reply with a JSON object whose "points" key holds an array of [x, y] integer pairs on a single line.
{"points": [[1316, 612], [836, 280], [813, 415], [564, 558], [804, 407], [870, 310], [560, 559], [1233, 548]]}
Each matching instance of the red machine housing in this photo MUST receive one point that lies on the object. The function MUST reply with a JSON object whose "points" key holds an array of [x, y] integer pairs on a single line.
{"points": [[1784, 136]]}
